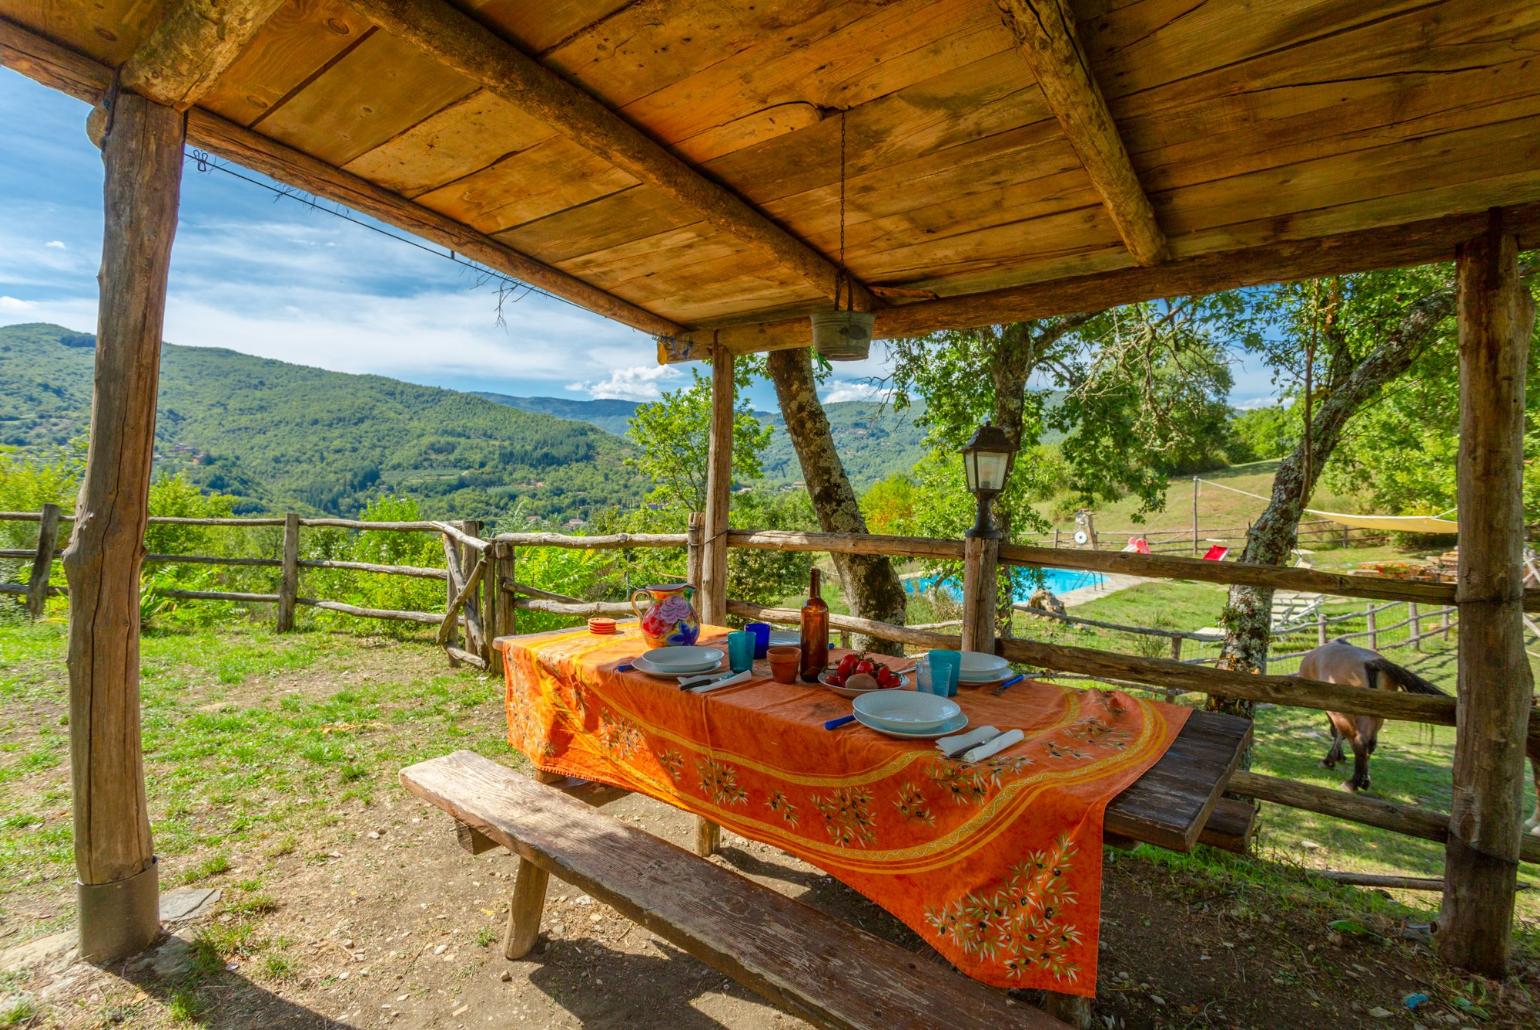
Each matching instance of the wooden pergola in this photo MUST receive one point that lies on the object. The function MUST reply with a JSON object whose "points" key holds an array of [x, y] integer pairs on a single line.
{"points": [[676, 167]]}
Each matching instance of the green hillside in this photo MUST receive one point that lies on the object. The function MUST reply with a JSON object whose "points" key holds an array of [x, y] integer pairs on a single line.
{"points": [[282, 436], [874, 440]]}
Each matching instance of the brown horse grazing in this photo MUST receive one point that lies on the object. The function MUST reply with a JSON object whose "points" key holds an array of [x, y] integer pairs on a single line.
{"points": [[1341, 662]]}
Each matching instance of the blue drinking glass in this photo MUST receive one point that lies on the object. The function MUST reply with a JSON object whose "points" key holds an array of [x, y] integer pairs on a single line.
{"points": [[740, 650], [761, 631], [945, 669]]}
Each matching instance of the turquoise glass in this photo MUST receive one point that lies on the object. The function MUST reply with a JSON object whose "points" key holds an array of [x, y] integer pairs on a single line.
{"points": [[740, 650], [945, 669]]}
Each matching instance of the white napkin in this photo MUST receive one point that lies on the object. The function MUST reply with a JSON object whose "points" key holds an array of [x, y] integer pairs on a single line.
{"points": [[956, 745], [994, 747], [726, 681]]}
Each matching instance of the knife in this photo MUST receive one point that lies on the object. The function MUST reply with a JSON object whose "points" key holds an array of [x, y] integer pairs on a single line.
{"points": [[703, 684], [994, 747]]}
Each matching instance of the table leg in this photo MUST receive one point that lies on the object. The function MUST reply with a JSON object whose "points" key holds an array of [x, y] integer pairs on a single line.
{"points": [[1071, 1008], [708, 837], [525, 909]]}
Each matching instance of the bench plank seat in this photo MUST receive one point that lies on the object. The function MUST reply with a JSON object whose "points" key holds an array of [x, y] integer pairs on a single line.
{"points": [[806, 962], [1170, 804]]}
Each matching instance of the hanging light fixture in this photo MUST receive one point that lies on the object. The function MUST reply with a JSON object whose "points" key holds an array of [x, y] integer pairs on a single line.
{"points": [[843, 335]]}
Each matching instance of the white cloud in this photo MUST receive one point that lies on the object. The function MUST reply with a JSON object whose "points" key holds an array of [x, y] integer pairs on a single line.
{"points": [[847, 390], [15, 305], [55, 245], [636, 383]]}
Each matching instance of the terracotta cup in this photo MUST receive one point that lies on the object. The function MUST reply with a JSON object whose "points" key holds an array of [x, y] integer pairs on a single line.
{"points": [[784, 663]]}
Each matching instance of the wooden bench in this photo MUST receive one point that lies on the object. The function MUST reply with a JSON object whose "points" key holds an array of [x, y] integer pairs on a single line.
{"points": [[801, 960]]}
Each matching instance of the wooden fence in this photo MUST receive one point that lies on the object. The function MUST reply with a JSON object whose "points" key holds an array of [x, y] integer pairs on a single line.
{"points": [[483, 595]]}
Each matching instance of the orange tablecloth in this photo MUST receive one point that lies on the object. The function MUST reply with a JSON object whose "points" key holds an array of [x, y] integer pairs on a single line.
{"points": [[996, 865]]}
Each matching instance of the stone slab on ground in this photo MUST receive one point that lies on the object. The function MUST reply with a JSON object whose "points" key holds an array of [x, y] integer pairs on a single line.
{"points": [[187, 903]]}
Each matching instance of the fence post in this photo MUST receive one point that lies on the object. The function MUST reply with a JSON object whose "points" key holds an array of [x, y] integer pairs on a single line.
{"points": [[478, 627], [1320, 626], [288, 582], [1194, 516], [1416, 627], [451, 591], [1176, 649], [499, 604], [1444, 623], [1370, 625], [694, 551], [981, 561], [1347, 539], [1056, 536], [42, 562]]}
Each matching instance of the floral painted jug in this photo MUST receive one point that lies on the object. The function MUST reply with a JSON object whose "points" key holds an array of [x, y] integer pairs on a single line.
{"points": [[670, 619]]}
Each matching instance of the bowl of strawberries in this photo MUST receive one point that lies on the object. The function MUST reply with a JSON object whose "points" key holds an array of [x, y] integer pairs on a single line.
{"points": [[858, 673]]}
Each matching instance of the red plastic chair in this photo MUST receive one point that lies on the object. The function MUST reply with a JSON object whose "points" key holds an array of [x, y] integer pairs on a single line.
{"points": [[1216, 553], [1138, 545]]}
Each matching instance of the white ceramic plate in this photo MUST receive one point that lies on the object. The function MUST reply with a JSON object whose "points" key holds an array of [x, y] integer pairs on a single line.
{"points": [[941, 731], [643, 665], [847, 692], [682, 659], [906, 710], [976, 665]]}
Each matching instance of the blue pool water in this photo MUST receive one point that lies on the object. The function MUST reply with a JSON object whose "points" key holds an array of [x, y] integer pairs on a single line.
{"points": [[1060, 581]]}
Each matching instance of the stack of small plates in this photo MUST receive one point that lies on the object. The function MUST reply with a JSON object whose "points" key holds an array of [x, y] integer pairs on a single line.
{"points": [[601, 625], [979, 667], [678, 661], [905, 713]]}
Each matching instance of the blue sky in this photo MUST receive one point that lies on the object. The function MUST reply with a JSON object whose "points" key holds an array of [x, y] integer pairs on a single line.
{"points": [[269, 276]]}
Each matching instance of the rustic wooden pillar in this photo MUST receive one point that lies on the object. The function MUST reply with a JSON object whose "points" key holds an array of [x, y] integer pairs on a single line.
{"points": [[719, 488], [981, 563], [1415, 619], [1194, 516], [1496, 318], [502, 600], [713, 573], [288, 583], [1371, 625], [42, 562], [117, 890]]}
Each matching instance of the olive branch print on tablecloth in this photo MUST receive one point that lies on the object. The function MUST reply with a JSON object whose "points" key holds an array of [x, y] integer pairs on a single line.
{"points": [[779, 802], [1019, 923], [847, 815], [673, 762], [911, 804], [719, 781]]}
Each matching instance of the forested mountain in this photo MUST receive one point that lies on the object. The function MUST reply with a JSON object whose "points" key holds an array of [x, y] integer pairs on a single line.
{"points": [[873, 439], [281, 436]]}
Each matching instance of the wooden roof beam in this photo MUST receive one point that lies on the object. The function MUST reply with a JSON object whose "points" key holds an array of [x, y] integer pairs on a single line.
{"points": [[460, 42], [63, 69], [1390, 246], [192, 47], [1045, 30]]}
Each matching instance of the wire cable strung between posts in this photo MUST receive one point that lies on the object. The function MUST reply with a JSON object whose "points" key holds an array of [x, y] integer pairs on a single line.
{"points": [[204, 163]]}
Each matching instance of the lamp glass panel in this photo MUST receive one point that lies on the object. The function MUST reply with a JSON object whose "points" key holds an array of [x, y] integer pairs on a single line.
{"points": [[971, 470], [990, 471]]}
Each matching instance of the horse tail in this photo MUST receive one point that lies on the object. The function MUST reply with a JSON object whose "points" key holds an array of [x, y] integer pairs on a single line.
{"points": [[1406, 679]]}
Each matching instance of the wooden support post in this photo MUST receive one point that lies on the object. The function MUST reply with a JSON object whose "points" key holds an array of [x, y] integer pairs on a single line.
{"points": [[1176, 649], [524, 910], [719, 488], [117, 888], [1371, 625], [454, 580], [288, 584], [503, 610], [1320, 626], [981, 562], [1443, 624], [1496, 318], [1416, 625], [42, 562]]}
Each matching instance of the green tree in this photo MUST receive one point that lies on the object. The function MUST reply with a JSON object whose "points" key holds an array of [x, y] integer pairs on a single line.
{"points": [[674, 436]]}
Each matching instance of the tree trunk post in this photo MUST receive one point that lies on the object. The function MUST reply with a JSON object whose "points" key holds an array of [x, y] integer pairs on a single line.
{"points": [[713, 551], [1194, 516], [981, 563], [719, 487], [477, 630], [1496, 317], [42, 562], [288, 584], [502, 601], [117, 888]]}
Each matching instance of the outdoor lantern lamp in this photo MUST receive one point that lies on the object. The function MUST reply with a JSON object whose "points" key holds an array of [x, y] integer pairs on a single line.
{"points": [[986, 460]]}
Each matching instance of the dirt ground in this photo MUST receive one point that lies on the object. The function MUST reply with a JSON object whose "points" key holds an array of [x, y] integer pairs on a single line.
{"points": [[381, 920], [400, 930]]}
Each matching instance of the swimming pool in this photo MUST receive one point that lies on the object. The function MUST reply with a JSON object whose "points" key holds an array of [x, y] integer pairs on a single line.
{"points": [[1059, 581]]}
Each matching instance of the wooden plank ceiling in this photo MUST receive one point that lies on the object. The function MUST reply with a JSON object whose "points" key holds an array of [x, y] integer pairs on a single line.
{"points": [[1246, 126]]}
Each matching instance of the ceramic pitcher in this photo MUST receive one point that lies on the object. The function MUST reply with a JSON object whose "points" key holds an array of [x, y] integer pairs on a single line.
{"points": [[670, 619]]}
